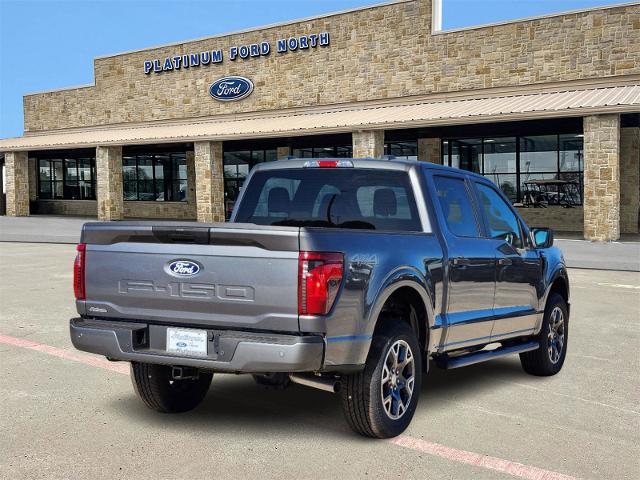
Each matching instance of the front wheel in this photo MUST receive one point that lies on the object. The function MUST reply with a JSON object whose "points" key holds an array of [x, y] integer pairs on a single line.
{"points": [[549, 358], [160, 391], [380, 401]]}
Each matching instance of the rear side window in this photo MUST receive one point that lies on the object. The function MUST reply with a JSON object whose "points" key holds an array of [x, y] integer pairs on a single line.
{"points": [[336, 198], [456, 206]]}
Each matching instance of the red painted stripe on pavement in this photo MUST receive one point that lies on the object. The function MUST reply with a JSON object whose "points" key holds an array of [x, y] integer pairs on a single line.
{"points": [[478, 460], [66, 354]]}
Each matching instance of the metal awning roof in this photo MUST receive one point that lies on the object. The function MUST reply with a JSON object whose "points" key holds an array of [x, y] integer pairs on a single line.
{"points": [[574, 102]]}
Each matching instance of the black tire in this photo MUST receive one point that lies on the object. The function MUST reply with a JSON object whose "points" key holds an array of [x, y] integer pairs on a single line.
{"points": [[549, 358], [158, 390], [362, 392], [276, 381]]}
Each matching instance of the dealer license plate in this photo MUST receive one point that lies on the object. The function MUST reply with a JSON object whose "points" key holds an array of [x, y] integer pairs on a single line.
{"points": [[187, 341]]}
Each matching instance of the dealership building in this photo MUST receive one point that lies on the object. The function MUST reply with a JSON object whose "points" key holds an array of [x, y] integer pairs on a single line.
{"points": [[546, 107]]}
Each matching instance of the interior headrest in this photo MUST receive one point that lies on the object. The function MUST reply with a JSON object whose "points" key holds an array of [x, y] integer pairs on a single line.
{"points": [[279, 201], [384, 202]]}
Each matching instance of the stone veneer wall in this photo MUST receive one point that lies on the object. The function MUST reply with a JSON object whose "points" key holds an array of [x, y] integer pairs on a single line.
{"points": [[602, 177], [629, 179], [82, 208], [558, 218], [16, 166], [109, 190], [430, 150], [165, 210], [209, 182], [380, 52], [368, 144]]}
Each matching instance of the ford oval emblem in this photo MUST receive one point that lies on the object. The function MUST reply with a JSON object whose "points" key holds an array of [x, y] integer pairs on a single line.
{"points": [[184, 268], [228, 89], [181, 345]]}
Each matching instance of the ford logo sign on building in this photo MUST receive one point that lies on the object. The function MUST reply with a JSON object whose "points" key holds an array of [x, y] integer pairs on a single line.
{"points": [[184, 268], [229, 89]]}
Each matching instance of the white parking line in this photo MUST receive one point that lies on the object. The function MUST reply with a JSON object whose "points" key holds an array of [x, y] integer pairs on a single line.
{"points": [[618, 285]]}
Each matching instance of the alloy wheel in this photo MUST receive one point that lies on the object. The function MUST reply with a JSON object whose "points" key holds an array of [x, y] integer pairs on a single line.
{"points": [[398, 379], [556, 335]]}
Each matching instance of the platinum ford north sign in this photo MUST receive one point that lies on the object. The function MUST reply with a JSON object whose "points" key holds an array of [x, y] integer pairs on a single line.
{"points": [[244, 52]]}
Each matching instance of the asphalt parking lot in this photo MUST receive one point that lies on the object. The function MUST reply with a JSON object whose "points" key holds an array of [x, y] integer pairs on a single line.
{"points": [[65, 414]]}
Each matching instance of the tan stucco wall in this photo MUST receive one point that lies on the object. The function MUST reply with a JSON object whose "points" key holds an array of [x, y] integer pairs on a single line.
{"points": [[375, 53]]}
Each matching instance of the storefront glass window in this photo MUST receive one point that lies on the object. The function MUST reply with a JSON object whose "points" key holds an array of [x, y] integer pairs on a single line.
{"points": [[237, 165], [500, 164], [402, 150], [343, 151], [533, 171], [158, 177], [66, 177]]}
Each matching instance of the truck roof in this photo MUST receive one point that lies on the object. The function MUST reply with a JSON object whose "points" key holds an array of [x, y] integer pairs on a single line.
{"points": [[375, 163]]}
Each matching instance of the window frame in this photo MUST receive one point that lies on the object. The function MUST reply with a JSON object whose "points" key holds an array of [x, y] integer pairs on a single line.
{"points": [[62, 159], [155, 163]]}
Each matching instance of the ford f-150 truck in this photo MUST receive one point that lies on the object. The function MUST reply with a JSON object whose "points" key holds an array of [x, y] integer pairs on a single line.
{"points": [[348, 275]]}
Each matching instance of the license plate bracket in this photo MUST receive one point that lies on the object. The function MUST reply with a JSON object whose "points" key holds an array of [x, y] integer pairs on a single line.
{"points": [[187, 341]]}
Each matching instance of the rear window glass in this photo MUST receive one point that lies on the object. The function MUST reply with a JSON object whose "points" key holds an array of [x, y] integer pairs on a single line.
{"points": [[337, 197]]}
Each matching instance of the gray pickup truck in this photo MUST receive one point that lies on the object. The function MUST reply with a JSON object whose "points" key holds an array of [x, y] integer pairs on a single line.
{"points": [[344, 275]]}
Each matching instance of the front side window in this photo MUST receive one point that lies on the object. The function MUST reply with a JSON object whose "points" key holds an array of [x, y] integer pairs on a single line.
{"points": [[456, 206], [66, 178], [502, 222], [334, 198], [155, 177]]}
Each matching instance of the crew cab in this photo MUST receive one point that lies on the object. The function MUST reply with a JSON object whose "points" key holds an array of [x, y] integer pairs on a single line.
{"points": [[348, 275]]}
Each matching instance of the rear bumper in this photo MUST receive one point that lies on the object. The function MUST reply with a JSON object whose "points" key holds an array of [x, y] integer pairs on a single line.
{"points": [[228, 351]]}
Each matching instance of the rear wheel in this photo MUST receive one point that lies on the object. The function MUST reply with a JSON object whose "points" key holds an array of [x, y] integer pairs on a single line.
{"points": [[380, 400], [160, 391], [549, 358]]}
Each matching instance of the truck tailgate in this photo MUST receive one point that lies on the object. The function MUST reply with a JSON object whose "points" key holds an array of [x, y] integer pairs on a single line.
{"points": [[222, 275]]}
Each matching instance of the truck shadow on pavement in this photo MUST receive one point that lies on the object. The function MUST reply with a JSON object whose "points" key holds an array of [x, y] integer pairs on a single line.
{"points": [[236, 404]]}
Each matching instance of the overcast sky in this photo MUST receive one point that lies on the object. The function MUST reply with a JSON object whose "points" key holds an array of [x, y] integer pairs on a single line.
{"points": [[51, 44]]}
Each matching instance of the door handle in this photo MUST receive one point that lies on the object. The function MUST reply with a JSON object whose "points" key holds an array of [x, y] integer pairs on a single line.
{"points": [[505, 261], [461, 261]]}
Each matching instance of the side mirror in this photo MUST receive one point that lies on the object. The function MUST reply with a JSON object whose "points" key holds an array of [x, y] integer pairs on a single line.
{"points": [[541, 237]]}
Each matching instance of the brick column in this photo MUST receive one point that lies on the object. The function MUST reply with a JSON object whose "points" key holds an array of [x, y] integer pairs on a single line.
{"points": [[429, 150], [209, 182], [109, 183], [368, 144], [629, 179], [602, 177], [282, 152], [16, 166]]}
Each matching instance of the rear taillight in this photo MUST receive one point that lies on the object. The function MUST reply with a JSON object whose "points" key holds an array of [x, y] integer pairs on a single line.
{"points": [[78, 272], [319, 278]]}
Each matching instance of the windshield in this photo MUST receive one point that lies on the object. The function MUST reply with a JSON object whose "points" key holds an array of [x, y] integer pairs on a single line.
{"points": [[330, 197]]}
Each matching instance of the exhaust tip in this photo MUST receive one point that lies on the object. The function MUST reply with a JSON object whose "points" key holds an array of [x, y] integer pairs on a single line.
{"points": [[331, 385]]}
